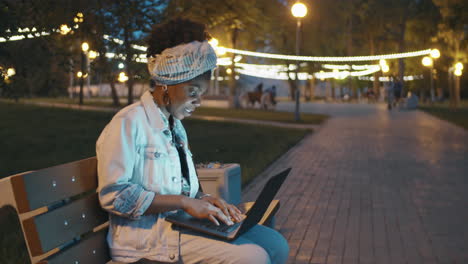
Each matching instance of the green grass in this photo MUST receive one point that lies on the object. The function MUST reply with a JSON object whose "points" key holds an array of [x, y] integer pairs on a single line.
{"points": [[457, 116], [38, 137], [252, 114], [86, 101], [256, 114]]}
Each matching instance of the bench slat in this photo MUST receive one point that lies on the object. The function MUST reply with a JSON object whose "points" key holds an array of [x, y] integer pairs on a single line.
{"points": [[54, 228], [92, 249], [44, 187]]}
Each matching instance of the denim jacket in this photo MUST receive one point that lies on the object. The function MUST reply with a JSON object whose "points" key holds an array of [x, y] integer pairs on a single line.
{"points": [[136, 161]]}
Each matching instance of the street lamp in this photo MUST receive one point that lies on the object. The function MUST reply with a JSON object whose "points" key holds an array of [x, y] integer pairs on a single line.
{"points": [[122, 77], [458, 73], [84, 50], [435, 54], [298, 10], [429, 62]]}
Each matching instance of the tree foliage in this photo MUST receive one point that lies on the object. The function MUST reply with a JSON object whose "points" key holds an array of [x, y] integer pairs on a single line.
{"points": [[331, 28]]}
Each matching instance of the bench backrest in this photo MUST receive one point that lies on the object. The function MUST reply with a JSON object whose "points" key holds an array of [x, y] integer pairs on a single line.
{"points": [[60, 214]]}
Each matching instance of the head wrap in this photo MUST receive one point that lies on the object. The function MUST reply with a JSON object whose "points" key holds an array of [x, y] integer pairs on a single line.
{"points": [[182, 63]]}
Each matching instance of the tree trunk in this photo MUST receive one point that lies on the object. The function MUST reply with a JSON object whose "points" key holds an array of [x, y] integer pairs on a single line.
{"points": [[333, 89], [115, 96], [128, 61], [292, 86], [349, 51], [312, 88], [376, 82], [233, 96], [401, 49]]}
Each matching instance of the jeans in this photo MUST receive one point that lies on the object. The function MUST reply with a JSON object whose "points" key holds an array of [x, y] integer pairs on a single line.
{"points": [[260, 244]]}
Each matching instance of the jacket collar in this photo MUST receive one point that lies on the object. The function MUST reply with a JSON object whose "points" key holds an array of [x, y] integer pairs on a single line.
{"points": [[155, 116]]}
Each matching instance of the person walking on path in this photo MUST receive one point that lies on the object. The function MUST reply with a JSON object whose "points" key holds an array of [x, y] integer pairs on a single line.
{"points": [[397, 90], [145, 166], [389, 94]]}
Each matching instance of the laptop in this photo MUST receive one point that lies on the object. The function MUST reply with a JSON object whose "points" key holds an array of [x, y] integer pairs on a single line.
{"points": [[226, 232]]}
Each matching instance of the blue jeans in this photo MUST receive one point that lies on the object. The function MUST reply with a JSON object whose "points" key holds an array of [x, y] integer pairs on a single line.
{"points": [[260, 244]]}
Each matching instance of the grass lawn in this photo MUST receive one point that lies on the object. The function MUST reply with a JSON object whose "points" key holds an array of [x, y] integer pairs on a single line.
{"points": [[38, 137], [457, 116], [255, 114]]}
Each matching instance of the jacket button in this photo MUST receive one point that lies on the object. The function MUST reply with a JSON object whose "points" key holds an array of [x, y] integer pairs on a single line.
{"points": [[174, 179], [157, 154], [172, 256]]}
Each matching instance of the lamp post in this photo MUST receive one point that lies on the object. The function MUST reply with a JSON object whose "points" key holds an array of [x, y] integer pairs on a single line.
{"points": [[458, 73], [429, 62], [215, 87], [84, 50], [298, 10], [435, 54]]}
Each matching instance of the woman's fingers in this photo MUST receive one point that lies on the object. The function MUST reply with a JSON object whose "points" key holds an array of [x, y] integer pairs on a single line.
{"points": [[213, 219], [221, 216], [234, 215], [236, 209], [222, 205]]}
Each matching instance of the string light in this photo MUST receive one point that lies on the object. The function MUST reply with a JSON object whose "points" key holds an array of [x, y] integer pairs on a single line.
{"points": [[329, 59], [388, 79], [348, 67]]}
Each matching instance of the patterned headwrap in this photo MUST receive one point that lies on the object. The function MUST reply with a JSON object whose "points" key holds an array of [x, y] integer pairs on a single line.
{"points": [[182, 63]]}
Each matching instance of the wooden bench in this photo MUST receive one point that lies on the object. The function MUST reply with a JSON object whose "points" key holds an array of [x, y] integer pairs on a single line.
{"points": [[60, 215]]}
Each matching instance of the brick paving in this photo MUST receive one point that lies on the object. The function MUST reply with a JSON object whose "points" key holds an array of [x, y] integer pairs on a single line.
{"points": [[373, 186]]}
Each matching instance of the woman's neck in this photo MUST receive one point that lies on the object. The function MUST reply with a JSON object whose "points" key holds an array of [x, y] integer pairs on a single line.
{"points": [[161, 106]]}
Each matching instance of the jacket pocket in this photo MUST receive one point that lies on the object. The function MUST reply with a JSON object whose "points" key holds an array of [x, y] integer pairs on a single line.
{"points": [[153, 153]]}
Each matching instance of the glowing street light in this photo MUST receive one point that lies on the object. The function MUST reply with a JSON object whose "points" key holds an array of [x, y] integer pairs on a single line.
{"points": [[214, 42], [92, 54], [11, 72], [385, 68], [121, 65], [458, 69], [298, 10], [84, 46], [427, 61], [122, 77], [435, 53]]}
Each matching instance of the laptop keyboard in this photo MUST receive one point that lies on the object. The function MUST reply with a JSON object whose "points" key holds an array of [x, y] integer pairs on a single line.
{"points": [[222, 227]]}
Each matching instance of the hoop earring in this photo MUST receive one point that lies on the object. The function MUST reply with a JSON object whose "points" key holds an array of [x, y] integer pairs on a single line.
{"points": [[166, 99]]}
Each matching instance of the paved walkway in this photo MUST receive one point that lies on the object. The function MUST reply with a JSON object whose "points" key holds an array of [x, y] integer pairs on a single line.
{"points": [[373, 186]]}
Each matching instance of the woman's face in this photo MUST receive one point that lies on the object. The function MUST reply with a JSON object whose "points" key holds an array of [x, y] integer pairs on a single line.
{"points": [[186, 97]]}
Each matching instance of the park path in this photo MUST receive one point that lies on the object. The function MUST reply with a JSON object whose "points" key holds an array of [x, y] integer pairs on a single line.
{"points": [[373, 186]]}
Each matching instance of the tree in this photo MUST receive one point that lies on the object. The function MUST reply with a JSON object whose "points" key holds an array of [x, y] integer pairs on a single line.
{"points": [[128, 20], [238, 18], [41, 63], [452, 32]]}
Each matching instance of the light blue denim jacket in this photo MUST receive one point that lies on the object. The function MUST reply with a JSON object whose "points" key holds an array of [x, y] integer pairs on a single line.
{"points": [[136, 161]]}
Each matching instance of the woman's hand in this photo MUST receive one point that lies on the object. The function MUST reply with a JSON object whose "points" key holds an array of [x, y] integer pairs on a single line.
{"points": [[204, 209], [228, 209]]}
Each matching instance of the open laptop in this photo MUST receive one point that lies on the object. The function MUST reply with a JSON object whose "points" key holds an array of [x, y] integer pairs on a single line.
{"points": [[253, 216]]}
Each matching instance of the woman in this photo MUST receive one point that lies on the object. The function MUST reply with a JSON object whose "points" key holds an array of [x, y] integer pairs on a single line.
{"points": [[146, 169]]}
